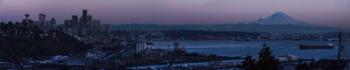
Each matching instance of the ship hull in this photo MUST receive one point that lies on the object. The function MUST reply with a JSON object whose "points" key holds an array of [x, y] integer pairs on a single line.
{"points": [[315, 47]]}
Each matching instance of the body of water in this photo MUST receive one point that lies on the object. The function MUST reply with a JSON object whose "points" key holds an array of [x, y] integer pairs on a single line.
{"points": [[252, 48]]}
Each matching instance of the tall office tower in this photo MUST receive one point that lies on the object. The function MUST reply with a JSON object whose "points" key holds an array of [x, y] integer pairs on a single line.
{"points": [[84, 17], [52, 21], [74, 20], [89, 19], [85, 12], [42, 18]]}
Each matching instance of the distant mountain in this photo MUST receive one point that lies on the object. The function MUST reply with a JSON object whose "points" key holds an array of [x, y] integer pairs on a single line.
{"points": [[279, 18], [227, 27], [278, 22]]}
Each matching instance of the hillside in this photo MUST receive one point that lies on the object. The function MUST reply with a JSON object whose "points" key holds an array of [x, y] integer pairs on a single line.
{"points": [[18, 42]]}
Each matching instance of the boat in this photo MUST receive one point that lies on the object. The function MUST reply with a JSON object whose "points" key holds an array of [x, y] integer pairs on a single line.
{"points": [[288, 57], [329, 46]]}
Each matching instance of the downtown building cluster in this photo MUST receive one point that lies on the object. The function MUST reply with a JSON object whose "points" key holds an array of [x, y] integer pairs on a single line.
{"points": [[45, 24], [83, 25], [80, 43], [28, 28]]}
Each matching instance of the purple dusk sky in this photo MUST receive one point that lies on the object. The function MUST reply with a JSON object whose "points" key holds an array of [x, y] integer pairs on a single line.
{"points": [[318, 12]]}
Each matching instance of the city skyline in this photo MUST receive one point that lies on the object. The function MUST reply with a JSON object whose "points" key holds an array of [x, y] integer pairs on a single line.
{"points": [[174, 34], [320, 12]]}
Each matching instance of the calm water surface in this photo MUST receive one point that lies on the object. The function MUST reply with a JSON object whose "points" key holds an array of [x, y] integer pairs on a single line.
{"points": [[244, 48]]}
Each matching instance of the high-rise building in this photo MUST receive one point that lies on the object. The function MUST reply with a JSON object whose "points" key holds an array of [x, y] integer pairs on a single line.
{"points": [[83, 25], [42, 18], [53, 21], [44, 24], [84, 17], [75, 19], [85, 12]]}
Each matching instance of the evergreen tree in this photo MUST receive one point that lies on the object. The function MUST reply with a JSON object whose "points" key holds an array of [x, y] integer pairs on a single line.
{"points": [[266, 60], [303, 66], [249, 63]]}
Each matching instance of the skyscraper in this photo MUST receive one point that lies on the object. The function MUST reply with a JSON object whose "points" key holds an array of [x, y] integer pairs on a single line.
{"points": [[75, 20], [84, 25], [42, 18], [84, 17], [85, 12], [52, 21]]}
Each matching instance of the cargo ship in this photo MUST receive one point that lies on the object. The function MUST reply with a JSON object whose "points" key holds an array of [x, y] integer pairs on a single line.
{"points": [[329, 46]]}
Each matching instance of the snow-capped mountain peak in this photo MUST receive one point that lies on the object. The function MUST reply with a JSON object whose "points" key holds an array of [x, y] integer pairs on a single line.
{"points": [[279, 18]]}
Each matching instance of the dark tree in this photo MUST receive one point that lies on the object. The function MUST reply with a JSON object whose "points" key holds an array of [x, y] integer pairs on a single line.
{"points": [[267, 61], [249, 63], [303, 66]]}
